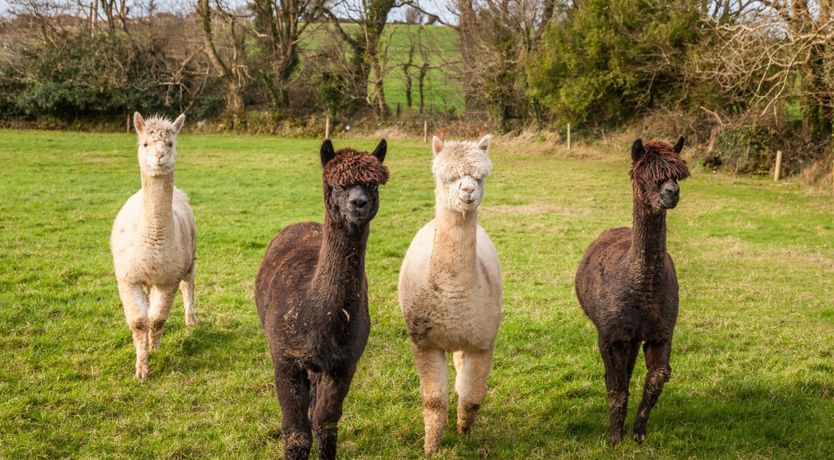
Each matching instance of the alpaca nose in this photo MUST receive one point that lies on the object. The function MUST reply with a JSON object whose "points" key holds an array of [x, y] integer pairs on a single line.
{"points": [[358, 203], [672, 191], [468, 188], [669, 195]]}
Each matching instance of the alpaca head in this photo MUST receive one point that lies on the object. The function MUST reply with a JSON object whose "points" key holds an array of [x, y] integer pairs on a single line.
{"points": [[157, 143], [655, 171], [350, 183], [459, 168]]}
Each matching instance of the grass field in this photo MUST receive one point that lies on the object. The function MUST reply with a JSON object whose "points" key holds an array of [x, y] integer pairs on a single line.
{"points": [[753, 355]]}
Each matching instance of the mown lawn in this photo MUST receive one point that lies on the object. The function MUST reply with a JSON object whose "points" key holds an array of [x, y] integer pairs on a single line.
{"points": [[753, 358]]}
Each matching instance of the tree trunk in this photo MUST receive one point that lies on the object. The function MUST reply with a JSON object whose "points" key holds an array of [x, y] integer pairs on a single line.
{"points": [[379, 88], [421, 78]]}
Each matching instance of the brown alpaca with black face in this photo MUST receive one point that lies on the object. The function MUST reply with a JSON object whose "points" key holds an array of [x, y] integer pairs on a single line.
{"points": [[627, 285], [312, 297]]}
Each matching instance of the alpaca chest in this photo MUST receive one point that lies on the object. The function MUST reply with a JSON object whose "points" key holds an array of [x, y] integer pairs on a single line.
{"points": [[453, 319], [319, 336], [155, 263]]}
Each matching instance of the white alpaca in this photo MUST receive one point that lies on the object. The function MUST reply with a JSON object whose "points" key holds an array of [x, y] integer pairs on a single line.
{"points": [[153, 241], [450, 290]]}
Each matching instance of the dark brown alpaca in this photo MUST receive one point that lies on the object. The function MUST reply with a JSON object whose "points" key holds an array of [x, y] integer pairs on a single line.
{"points": [[627, 285], [312, 297]]}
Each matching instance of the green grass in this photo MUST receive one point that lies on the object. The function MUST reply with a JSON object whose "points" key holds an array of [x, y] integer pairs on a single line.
{"points": [[753, 369]]}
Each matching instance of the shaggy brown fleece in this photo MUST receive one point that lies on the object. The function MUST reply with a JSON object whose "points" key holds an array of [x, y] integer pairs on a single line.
{"points": [[350, 167], [659, 163]]}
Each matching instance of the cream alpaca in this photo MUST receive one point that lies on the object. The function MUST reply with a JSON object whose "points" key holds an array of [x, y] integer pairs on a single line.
{"points": [[153, 241], [450, 290]]}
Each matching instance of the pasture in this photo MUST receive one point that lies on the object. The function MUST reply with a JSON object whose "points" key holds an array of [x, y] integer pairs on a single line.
{"points": [[752, 360]]}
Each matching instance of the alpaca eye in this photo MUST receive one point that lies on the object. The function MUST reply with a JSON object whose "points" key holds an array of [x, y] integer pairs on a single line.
{"points": [[145, 144], [170, 144]]}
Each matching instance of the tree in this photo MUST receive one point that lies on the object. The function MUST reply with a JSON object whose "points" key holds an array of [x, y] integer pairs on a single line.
{"points": [[370, 17], [230, 66], [494, 38], [279, 26], [775, 54], [607, 60]]}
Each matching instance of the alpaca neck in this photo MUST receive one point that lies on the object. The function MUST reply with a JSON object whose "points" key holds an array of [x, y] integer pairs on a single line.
{"points": [[648, 246], [453, 255], [341, 267], [157, 215]]}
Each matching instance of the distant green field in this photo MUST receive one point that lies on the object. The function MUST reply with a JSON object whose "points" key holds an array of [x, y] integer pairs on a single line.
{"points": [[753, 354], [442, 91]]}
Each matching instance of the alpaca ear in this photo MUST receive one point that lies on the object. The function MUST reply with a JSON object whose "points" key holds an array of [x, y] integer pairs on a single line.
{"points": [[483, 144], [178, 123], [327, 152], [138, 122], [637, 150], [436, 145], [381, 150], [678, 145]]}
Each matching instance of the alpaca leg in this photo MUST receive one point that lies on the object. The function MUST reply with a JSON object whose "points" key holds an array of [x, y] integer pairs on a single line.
{"points": [[434, 375], [616, 356], [471, 386], [330, 395], [293, 389], [135, 303], [658, 373], [161, 300], [188, 300]]}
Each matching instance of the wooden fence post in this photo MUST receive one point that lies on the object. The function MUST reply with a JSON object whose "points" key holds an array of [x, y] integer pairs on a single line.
{"points": [[568, 136], [425, 130], [778, 170], [327, 128], [127, 124]]}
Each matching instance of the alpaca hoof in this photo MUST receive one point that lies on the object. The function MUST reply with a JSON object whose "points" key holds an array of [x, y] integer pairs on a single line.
{"points": [[141, 372], [615, 439], [191, 320], [463, 428], [430, 450], [639, 437]]}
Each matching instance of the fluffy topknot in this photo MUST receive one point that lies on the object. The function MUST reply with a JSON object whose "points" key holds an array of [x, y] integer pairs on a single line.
{"points": [[659, 162], [157, 127], [350, 167], [461, 158]]}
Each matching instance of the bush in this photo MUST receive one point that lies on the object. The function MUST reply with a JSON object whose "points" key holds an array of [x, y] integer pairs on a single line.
{"points": [[608, 60], [98, 77]]}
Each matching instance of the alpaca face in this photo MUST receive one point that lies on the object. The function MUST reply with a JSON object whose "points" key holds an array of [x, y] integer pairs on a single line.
{"points": [[351, 181], [355, 205], [462, 194], [459, 169], [663, 195], [157, 143], [655, 171]]}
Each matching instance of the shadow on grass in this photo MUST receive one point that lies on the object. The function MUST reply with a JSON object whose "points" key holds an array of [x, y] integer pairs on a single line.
{"points": [[765, 417], [202, 347]]}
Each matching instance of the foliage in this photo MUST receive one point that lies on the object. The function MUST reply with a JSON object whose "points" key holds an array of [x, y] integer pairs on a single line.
{"points": [[607, 61], [752, 355], [92, 77]]}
